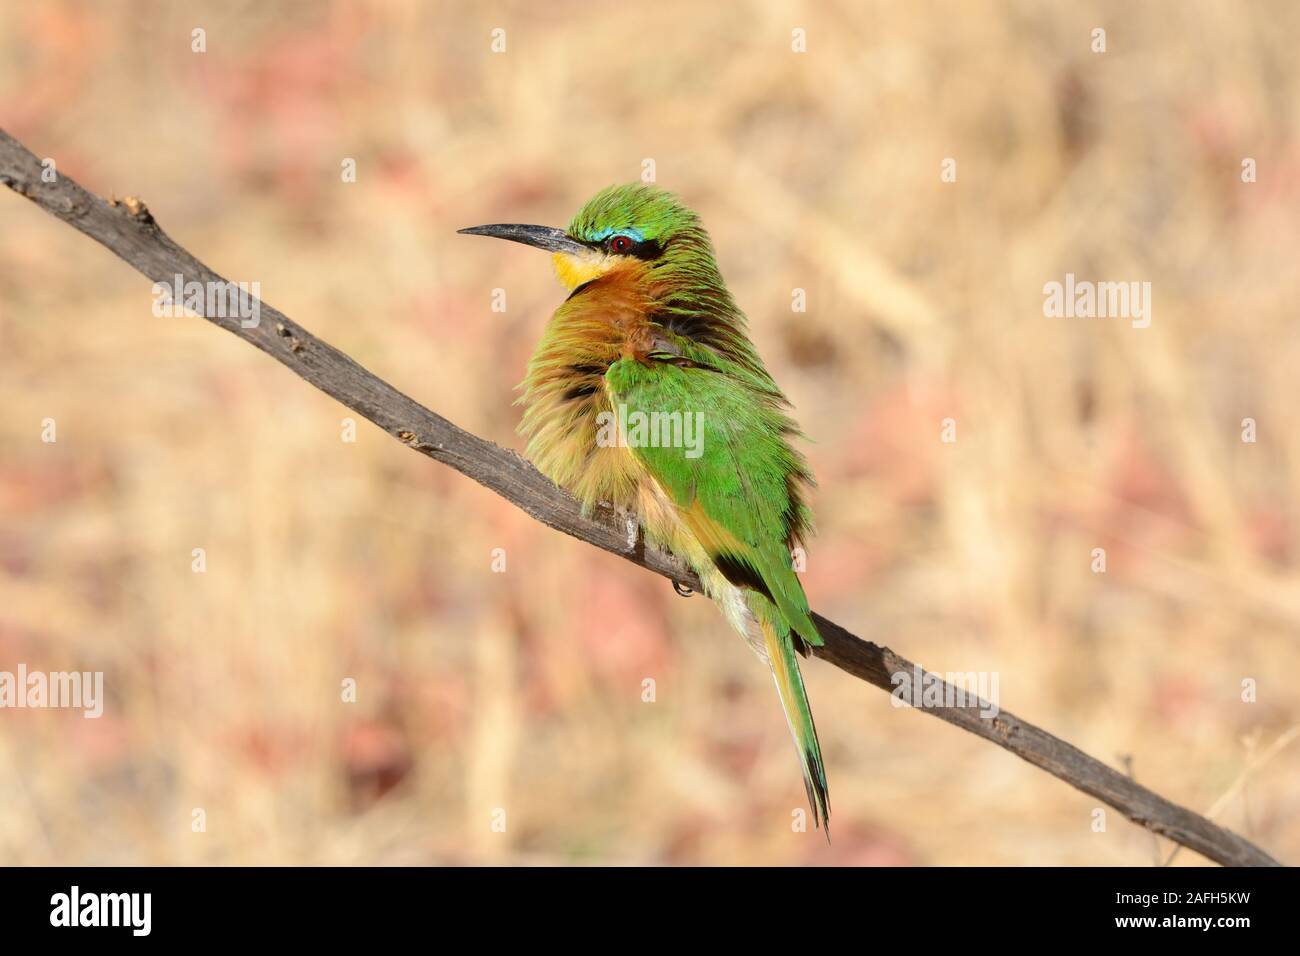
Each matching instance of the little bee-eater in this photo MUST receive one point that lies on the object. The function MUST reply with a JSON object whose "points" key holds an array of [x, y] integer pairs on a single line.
{"points": [[650, 334]]}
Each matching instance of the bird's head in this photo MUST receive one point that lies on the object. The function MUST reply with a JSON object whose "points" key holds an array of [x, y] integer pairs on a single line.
{"points": [[634, 226]]}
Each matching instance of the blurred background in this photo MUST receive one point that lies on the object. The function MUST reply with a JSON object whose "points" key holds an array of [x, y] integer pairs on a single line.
{"points": [[522, 691]]}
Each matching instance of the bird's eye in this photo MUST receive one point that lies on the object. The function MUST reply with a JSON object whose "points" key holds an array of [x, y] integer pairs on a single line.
{"points": [[620, 244]]}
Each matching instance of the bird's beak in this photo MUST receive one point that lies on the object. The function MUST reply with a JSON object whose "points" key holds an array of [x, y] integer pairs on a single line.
{"points": [[543, 237]]}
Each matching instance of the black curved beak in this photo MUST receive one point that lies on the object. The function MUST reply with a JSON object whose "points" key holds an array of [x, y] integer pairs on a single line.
{"points": [[543, 237]]}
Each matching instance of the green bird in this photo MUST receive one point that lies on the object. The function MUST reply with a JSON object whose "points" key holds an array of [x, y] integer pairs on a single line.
{"points": [[645, 392]]}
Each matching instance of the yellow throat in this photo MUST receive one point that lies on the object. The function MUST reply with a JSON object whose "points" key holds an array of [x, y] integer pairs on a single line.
{"points": [[576, 268]]}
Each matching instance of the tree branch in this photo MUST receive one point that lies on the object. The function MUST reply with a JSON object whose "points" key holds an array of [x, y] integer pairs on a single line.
{"points": [[128, 229]]}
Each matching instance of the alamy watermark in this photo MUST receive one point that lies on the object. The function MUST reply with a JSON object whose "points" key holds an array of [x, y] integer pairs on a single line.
{"points": [[212, 300], [920, 688], [133, 911], [637, 429], [1098, 300], [82, 690]]}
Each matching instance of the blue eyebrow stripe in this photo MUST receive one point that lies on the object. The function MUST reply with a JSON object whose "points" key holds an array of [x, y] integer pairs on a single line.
{"points": [[608, 231]]}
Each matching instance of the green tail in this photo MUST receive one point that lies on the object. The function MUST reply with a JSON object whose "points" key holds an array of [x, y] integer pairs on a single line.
{"points": [[798, 714]]}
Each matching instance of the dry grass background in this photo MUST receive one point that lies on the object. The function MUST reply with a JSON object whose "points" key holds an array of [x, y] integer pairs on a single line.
{"points": [[522, 690]]}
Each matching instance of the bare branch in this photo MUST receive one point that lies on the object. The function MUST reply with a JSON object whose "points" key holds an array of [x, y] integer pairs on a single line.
{"points": [[128, 229]]}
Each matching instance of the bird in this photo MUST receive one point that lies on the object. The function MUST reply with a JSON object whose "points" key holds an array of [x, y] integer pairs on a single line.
{"points": [[646, 394]]}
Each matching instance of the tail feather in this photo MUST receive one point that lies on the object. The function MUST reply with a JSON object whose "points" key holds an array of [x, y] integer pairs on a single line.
{"points": [[779, 641]]}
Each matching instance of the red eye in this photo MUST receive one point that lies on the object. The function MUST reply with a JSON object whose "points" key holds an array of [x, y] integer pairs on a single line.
{"points": [[620, 244]]}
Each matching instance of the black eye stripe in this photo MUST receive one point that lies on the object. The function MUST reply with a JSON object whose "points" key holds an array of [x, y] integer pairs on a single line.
{"points": [[645, 249]]}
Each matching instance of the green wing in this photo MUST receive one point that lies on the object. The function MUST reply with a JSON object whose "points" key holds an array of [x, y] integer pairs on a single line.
{"points": [[719, 449]]}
